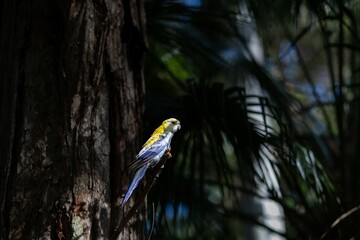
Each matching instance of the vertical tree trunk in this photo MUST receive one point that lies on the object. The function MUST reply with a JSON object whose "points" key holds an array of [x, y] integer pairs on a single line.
{"points": [[70, 102]]}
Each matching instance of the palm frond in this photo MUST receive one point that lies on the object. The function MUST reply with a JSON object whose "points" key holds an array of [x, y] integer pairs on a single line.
{"points": [[224, 150], [287, 145]]}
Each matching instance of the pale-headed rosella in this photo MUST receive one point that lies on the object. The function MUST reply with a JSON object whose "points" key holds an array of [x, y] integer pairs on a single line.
{"points": [[151, 152]]}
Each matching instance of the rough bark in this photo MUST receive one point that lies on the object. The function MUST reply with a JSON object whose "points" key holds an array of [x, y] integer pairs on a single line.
{"points": [[70, 102]]}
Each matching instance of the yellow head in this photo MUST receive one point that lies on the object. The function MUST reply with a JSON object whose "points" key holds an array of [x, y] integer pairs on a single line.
{"points": [[171, 125]]}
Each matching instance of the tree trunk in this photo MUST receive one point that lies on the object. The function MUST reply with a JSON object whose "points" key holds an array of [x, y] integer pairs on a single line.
{"points": [[71, 95]]}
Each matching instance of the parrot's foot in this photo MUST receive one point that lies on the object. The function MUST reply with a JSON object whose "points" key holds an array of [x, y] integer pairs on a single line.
{"points": [[168, 153]]}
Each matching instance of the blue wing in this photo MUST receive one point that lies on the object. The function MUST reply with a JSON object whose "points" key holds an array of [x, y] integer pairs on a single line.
{"points": [[148, 153], [143, 161], [138, 176]]}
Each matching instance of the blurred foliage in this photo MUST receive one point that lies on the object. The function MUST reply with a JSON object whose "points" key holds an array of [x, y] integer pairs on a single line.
{"points": [[283, 127]]}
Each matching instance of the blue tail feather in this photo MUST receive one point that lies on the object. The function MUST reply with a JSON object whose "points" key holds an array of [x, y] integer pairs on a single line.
{"points": [[138, 176]]}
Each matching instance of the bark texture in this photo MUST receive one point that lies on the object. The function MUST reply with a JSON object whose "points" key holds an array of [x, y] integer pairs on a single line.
{"points": [[71, 95]]}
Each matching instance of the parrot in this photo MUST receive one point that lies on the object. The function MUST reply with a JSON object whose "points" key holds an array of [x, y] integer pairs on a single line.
{"points": [[151, 152]]}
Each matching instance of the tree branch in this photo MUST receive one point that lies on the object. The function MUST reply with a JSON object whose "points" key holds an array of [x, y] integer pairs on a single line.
{"points": [[150, 179]]}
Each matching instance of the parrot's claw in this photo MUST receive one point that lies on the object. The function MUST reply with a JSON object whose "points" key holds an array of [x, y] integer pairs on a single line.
{"points": [[168, 153]]}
